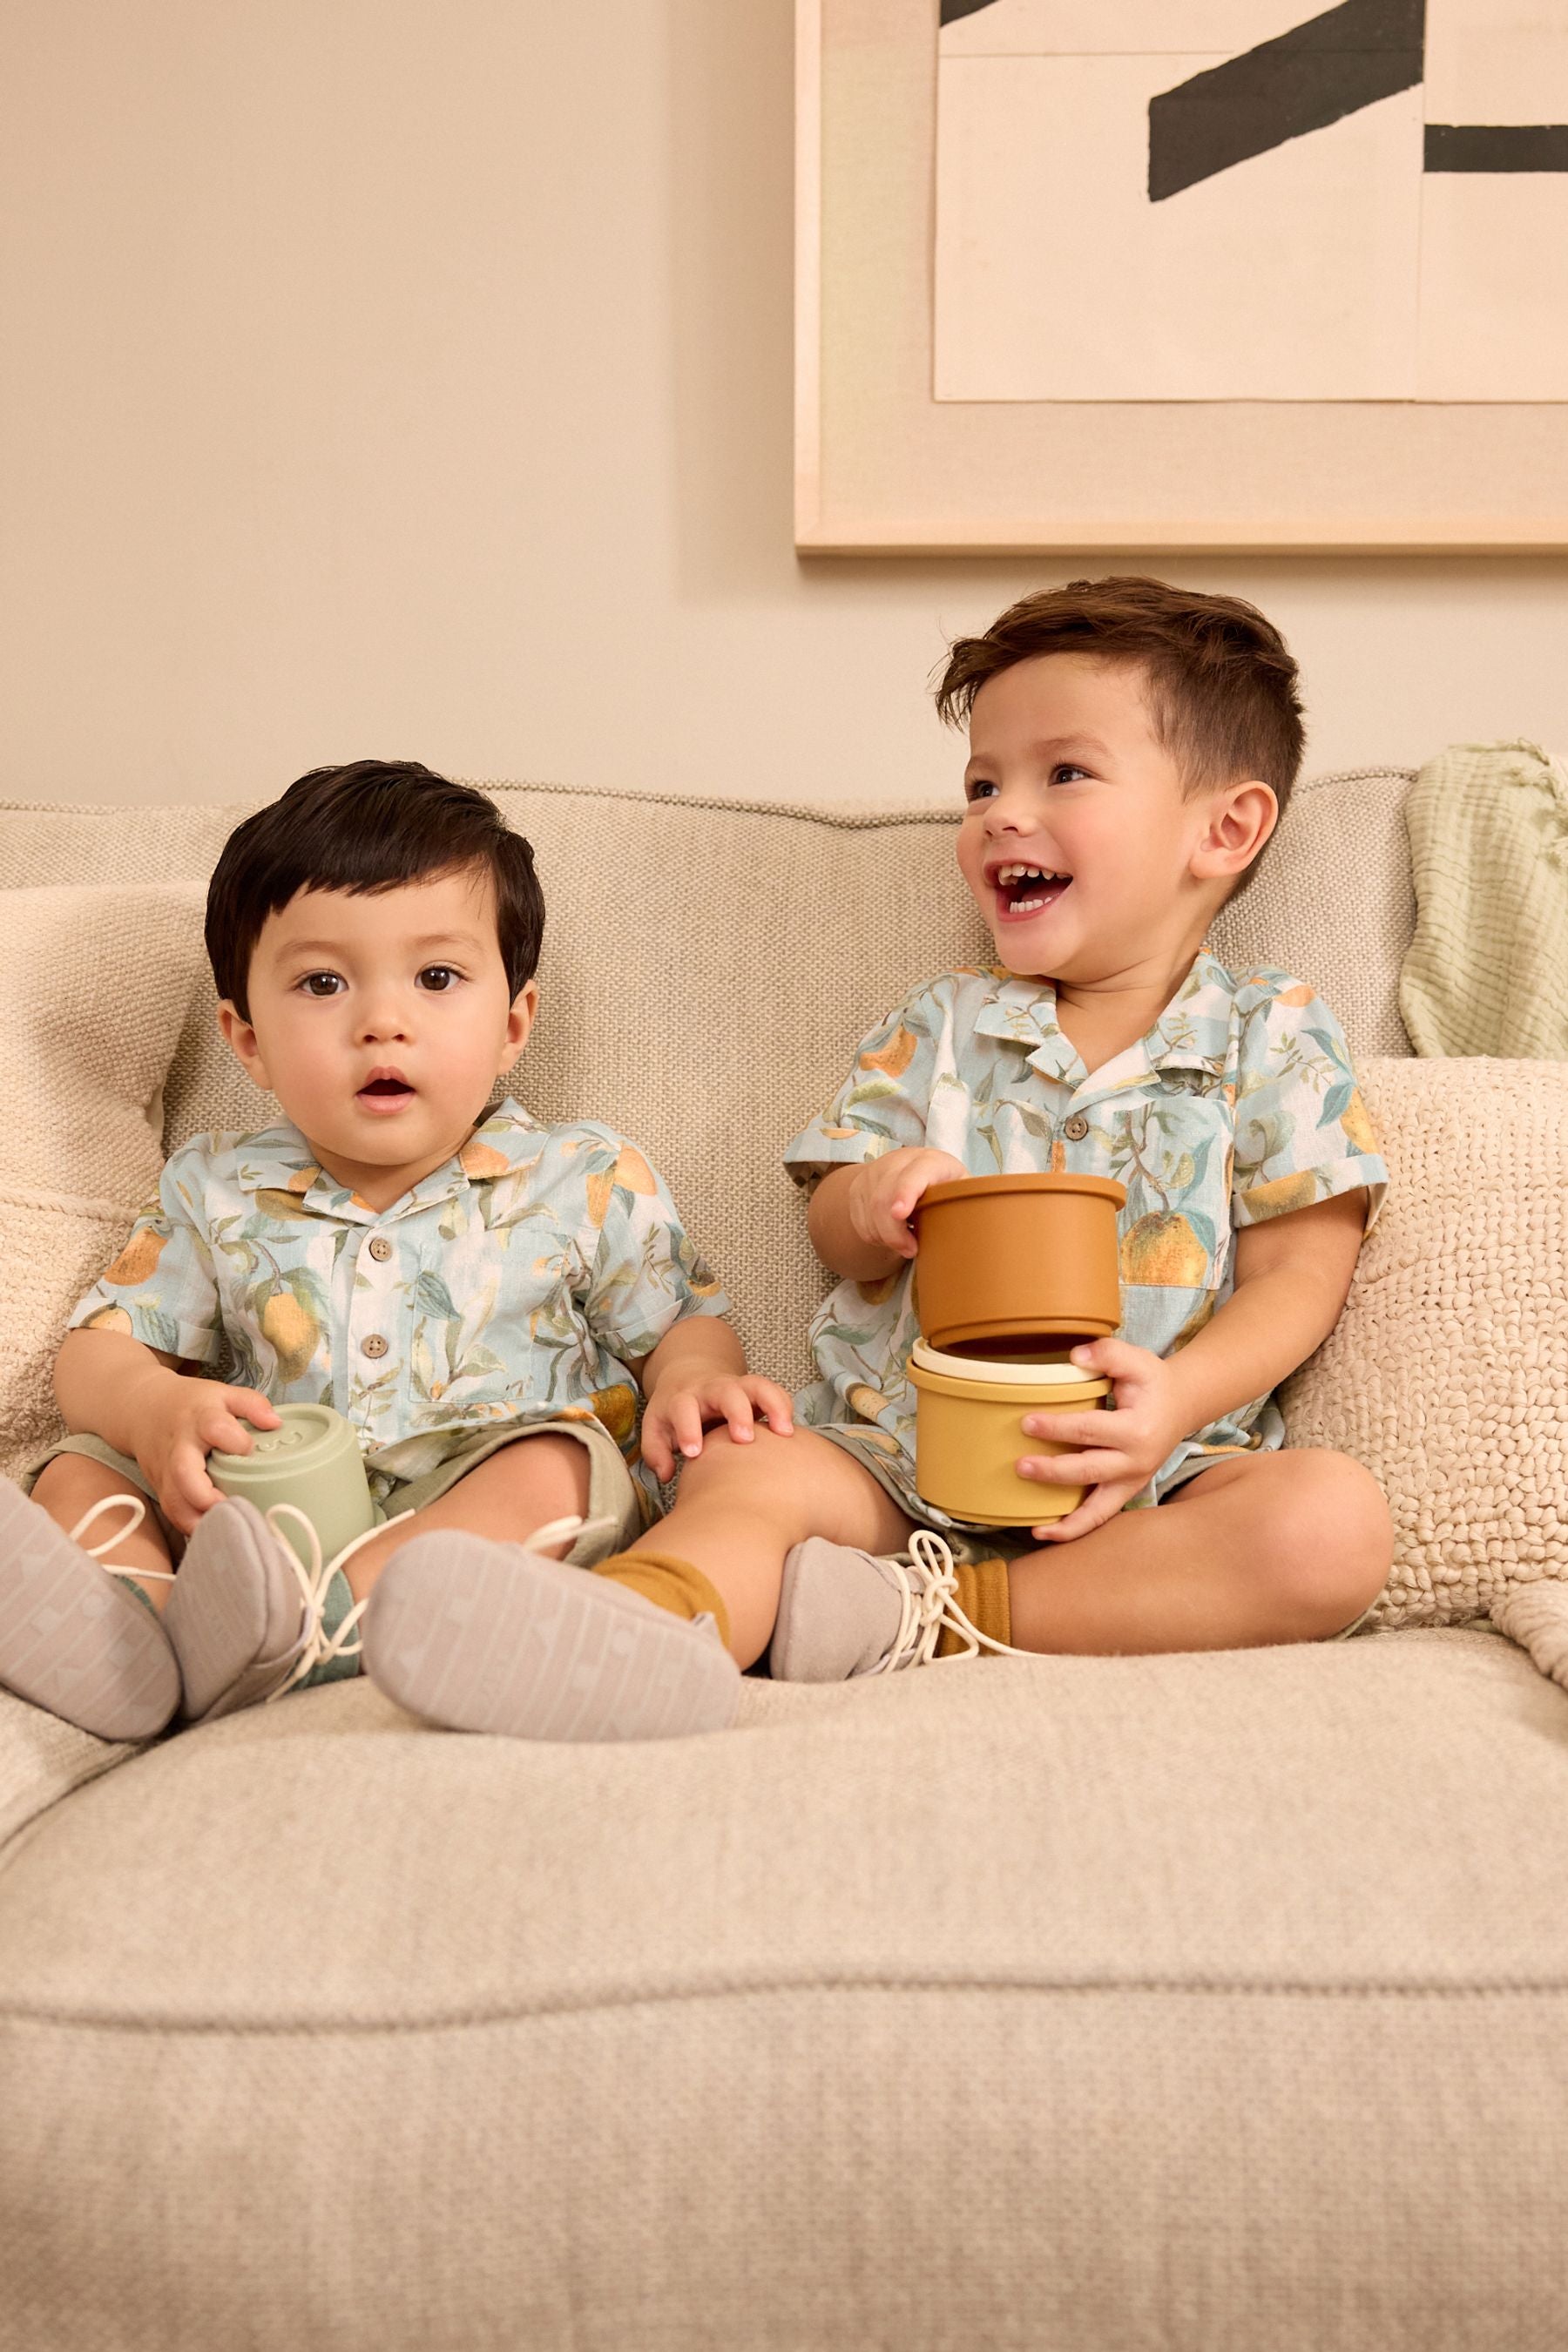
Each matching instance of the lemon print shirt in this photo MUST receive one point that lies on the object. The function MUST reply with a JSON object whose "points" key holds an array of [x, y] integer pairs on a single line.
{"points": [[1240, 1104], [518, 1281]]}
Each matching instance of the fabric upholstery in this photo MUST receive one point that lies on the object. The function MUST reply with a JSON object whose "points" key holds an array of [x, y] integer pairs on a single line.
{"points": [[1226, 2027], [1487, 971], [1447, 1371], [1172, 2004], [95, 983]]}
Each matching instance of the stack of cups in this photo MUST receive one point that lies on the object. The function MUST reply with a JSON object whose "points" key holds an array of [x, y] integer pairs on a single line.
{"points": [[1014, 1272]]}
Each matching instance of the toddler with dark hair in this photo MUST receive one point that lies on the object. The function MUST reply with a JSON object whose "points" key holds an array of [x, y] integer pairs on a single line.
{"points": [[480, 1297]]}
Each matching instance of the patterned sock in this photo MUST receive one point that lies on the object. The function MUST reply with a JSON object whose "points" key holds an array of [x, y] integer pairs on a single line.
{"points": [[983, 1597], [670, 1584]]}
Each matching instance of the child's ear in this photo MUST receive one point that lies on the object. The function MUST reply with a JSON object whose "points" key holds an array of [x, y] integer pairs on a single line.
{"points": [[240, 1038], [518, 1022]]}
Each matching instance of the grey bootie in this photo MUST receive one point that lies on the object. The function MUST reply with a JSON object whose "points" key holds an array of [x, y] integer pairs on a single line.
{"points": [[74, 1639]]}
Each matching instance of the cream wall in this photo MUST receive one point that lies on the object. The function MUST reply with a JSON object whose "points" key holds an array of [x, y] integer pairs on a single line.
{"points": [[386, 378]]}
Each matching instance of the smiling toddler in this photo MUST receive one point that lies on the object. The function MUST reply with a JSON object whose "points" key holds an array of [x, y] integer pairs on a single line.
{"points": [[1132, 745]]}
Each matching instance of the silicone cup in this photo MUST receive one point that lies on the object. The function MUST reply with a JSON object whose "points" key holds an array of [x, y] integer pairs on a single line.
{"points": [[969, 1435], [1024, 1264], [311, 1460]]}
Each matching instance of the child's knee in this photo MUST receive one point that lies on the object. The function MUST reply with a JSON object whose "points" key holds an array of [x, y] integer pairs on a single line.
{"points": [[1332, 1535], [549, 1466], [70, 1482], [763, 1463]]}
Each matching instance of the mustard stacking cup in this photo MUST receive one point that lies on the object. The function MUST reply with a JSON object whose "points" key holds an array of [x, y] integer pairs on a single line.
{"points": [[311, 1460], [969, 1433]]}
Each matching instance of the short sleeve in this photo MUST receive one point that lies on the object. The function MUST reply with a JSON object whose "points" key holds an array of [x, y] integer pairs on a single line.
{"points": [[1304, 1132], [646, 1274], [161, 1289], [882, 1104]]}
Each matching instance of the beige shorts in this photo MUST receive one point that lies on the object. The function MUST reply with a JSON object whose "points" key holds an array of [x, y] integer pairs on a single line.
{"points": [[612, 1493], [970, 1543]]}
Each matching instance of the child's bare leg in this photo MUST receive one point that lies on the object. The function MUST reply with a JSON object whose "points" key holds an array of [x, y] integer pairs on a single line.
{"points": [[69, 1486], [1264, 1548], [741, 1507], [526, 1484]]}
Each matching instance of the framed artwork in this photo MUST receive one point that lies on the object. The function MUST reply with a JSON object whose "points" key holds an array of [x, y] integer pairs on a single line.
{"points": [[1220, 274]]}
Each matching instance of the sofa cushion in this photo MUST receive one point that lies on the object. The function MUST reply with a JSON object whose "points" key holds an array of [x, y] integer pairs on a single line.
{"points": [[95, 982], [1333, 902], [1447, 1373], [1195, 2000]]}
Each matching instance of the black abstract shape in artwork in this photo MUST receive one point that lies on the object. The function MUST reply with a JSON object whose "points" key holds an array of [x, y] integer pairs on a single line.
{"points": [[1309, 77], [1497, 146], [951, 10]]}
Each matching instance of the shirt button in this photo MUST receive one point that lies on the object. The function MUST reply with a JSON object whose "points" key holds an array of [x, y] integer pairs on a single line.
{"points": [[381, 1247], [374, 1345], [1076, 1127]]}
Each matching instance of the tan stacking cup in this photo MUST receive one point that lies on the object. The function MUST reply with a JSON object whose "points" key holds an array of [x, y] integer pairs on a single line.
{"points": [[1018, 1266], [969, 1435]]}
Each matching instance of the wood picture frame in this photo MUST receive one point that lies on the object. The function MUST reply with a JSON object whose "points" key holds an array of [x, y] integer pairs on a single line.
{"points": [[883, 467]]}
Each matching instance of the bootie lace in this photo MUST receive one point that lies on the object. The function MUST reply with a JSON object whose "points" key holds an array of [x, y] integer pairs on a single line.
{"points": [[138, 1510], [315, 1646], [928, 1580]]}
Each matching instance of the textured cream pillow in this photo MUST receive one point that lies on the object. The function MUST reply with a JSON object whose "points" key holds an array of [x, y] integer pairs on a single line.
{"points": [[94, 988], [1447, 1371]]}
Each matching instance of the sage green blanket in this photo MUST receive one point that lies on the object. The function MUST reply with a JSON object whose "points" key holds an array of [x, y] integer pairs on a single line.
{"points": [[1487, 971]]}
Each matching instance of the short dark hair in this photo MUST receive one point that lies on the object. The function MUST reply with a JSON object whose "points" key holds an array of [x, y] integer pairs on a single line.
{"points": [[369, 826], [1222, 686]]}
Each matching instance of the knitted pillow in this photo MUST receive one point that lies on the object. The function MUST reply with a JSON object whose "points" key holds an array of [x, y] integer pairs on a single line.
{"points": [[1447, 1371], [94, 986]]}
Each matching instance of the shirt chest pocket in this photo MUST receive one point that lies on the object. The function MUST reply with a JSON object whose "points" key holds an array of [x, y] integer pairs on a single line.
{"points": [[1173, 1150]]}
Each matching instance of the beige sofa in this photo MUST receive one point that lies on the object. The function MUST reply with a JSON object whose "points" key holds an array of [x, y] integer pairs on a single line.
{"points": [[1208, 2003]]}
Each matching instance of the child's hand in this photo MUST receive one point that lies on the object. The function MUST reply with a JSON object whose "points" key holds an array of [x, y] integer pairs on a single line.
{"points": [[681, 1407], [885, 1191], [1122, 1448], [185, 1419]]}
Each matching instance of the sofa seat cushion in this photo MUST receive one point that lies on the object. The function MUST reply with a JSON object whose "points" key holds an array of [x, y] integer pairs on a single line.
{"points": [[994, 1988]]}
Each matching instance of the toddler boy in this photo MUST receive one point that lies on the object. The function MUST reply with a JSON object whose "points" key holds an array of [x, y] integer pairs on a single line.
{"points": [[1131, 746], [480, 1301]]}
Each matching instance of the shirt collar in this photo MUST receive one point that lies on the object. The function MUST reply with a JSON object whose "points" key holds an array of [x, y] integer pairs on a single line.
{"points": [[1192, 1032], [281, 1161]]}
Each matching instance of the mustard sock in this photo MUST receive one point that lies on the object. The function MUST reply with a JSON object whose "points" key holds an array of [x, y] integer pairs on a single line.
{"points": [[983, 1597], [670, 1584]]}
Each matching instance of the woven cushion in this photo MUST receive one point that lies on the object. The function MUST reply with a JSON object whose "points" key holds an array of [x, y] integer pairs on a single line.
{"points": [[1447, 1371]]}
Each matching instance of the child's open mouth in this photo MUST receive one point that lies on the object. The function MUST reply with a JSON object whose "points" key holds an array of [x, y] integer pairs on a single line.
{"points": [[1024, 891], [385, 1092]]}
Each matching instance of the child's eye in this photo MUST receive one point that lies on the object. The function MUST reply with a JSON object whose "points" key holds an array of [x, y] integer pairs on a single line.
{"points": [[982, 789], [1067, 768], [330, 983], [439, 978]]}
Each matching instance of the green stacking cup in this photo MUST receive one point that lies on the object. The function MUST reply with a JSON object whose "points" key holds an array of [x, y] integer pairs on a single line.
{"points": [[311, 1460]]}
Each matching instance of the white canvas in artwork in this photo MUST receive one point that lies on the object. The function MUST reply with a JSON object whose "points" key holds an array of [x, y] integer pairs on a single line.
{"points": [[1088, 249]]}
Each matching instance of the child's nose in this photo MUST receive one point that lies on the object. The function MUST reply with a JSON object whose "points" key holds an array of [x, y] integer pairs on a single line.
{"points": [[380, 1022]]}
